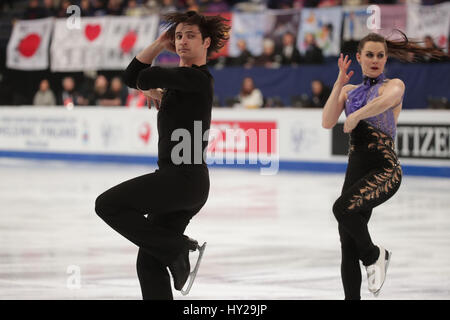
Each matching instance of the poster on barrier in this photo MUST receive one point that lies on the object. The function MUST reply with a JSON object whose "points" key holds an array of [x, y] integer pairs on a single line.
{"points": [[422, 138], [86, 130], [262, 138]]}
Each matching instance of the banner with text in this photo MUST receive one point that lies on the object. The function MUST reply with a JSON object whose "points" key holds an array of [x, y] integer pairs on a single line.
{"points": [[100, 131], [429, 20], [100, 43], [78, 49]]}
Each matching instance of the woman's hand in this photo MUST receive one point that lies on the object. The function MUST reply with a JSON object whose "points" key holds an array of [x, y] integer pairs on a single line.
{"points": [[153, 95], [343, 77], [350, 123]]}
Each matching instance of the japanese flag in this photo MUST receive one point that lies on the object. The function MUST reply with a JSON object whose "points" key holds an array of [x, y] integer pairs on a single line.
{"points": [[126, 37], [28, 45]]}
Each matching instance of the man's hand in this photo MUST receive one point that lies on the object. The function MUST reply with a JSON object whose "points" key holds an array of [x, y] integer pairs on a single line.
{"points": [[153, 95], [166, 42]]}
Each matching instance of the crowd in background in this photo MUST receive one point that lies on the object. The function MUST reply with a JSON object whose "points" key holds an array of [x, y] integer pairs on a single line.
{"points": [[100, 90], [103, 92], [57, 8], [273, 56]]}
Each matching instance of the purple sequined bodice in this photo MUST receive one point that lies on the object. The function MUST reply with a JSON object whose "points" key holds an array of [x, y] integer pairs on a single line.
{"points": [[364, 93]]}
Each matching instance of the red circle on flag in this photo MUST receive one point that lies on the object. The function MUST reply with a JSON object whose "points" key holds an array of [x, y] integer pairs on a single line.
{"points": [[29, 45], [128, 41]]}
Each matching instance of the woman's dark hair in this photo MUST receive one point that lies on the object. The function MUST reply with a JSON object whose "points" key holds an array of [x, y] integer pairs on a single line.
{"points": [[400, 49], [213, 27]]}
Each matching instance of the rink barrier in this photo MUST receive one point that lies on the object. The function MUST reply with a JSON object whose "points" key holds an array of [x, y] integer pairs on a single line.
{"points": [[295, 137], [318, 167]]}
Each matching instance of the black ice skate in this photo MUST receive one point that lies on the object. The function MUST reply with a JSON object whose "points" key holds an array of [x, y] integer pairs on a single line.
{"points": [[181, 268]]}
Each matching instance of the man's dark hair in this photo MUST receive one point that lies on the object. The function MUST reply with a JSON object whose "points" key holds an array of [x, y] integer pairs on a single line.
{"points": [[213, 27]]}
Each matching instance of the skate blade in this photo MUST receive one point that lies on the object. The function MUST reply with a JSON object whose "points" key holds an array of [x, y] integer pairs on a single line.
{"points": [[193, 274], [377, 293]]}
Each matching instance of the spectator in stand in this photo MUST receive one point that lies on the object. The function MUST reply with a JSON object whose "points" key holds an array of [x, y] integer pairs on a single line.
{"points": [[431, 2], [99, 8], [310, 3], [101, 95], [68, 97], [86, 87], [429, 43], [280, 4], [269, 58], [50, 8], [180, 4], [353, 2], [34, 11], [192, 5], [119, 91], [86, 8], [330, 3], [5, 3], [136, 99], [248, 6], [245, 58], [134, 9], [289, 52], [167, 7], [320, 94], [382, 1], [313, 54], [44, 96], [203, 5], [114, 8], [62, 11], [214, 6], [250, 97]]}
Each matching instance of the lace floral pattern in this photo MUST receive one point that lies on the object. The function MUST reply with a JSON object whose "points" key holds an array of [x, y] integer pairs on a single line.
{"points": [[382, 182]]}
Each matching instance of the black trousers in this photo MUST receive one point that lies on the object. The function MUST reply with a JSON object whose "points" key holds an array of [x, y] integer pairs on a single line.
{"points": [[170, 196], [373, 176]]}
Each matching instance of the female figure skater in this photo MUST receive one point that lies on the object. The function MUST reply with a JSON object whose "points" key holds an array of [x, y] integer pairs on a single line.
{"points": [[175, 192], [373, 173]]}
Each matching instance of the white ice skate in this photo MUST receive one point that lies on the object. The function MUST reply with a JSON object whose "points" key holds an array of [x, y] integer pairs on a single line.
{"points": [[193, 274], [376, 273]]}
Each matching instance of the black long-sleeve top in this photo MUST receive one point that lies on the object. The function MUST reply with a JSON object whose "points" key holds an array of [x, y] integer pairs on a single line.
{"points": [[187, 98]]}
